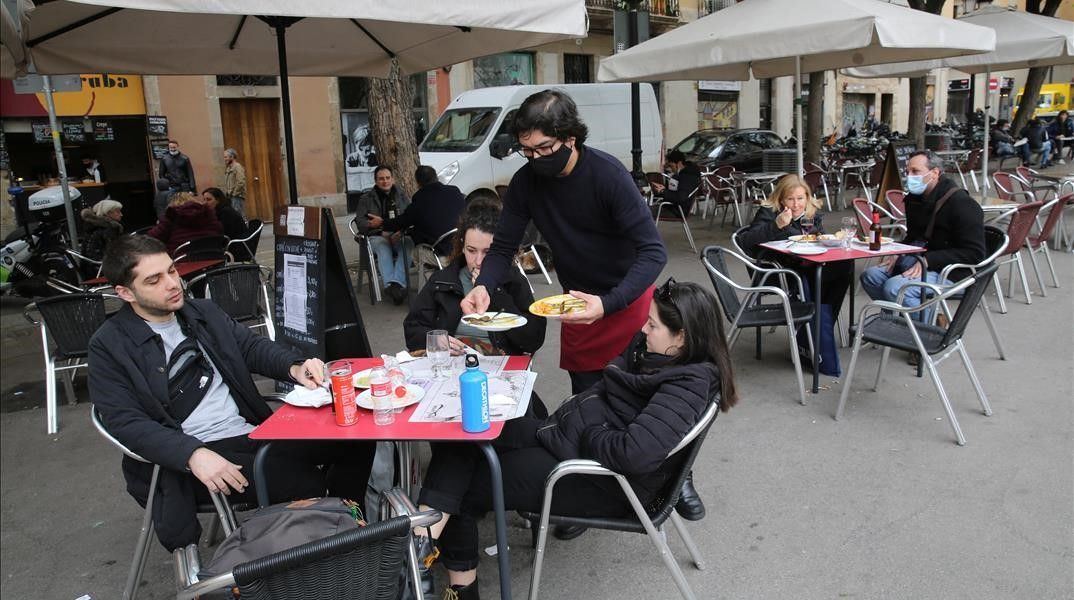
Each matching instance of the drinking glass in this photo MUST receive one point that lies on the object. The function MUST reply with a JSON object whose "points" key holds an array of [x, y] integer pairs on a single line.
{"points": [[806, 223], [438, 350], [850, 228]]}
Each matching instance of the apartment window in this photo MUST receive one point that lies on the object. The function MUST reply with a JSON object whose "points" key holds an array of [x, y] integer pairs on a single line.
{"points": [[246, 80], [509, 68], [576, 68]]}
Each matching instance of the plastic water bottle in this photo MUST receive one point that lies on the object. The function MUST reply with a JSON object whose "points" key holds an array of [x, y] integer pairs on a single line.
{"points": [[380, 392], [474, 392]]}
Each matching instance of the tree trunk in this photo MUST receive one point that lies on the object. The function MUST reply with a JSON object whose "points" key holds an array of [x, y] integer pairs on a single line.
{"points": [[815, 125], [915, 128], [1029, 98], [391, 121]]}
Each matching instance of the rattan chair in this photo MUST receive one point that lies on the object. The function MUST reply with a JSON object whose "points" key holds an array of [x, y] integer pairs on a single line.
{"points": [[645, 520], [750, 311], [241, 291], [186, 559], [892, 325], [357, 564], [70, 320]]}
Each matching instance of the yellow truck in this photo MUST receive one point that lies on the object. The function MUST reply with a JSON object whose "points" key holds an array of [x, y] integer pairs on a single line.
{"points": [[1054, 97]]}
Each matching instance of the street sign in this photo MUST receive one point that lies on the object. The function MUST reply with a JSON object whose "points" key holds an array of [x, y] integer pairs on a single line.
{"points": [[35, 84], [993, 84]]}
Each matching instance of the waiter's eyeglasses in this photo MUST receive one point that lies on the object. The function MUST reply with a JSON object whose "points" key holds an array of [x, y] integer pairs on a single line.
{"points": [[545, 149]]}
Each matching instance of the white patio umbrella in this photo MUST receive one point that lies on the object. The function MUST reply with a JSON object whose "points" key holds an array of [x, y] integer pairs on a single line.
{"points": [[1023, 40], [287, 37], [12, 51], [773, 38]]}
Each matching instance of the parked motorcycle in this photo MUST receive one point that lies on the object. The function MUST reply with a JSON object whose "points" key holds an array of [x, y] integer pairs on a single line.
{"points": [[37, 261]]}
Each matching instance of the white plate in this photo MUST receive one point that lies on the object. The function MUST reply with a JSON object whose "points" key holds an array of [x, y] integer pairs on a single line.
{"points": [[414, 394], [505, 321], [361, 378], [807, 249]]}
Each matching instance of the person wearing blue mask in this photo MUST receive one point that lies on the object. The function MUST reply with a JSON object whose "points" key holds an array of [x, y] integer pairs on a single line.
{"points": [[941, 217]]}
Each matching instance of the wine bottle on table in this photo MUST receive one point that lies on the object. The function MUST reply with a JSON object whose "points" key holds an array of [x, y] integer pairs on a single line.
{"points": [[874, 232]]}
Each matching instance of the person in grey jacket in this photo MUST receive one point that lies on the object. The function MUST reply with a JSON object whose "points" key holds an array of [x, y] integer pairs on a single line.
{"points": [[177, 169], [391, 249], [645, 403], [171, 379]]}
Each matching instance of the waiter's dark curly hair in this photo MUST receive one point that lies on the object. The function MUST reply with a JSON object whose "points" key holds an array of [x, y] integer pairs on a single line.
{"points": [[551, 112]]}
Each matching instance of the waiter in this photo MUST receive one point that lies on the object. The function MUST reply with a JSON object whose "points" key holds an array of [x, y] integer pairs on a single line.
{"points": [[93, 169], [585, 204]]}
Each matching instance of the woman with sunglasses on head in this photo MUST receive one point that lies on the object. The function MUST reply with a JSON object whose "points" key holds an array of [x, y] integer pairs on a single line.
{"points": [[646, 401], [790, 210]]}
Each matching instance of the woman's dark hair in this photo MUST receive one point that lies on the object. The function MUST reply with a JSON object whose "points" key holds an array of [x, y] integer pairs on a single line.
{"points": [[691, 309], [124, 253], [481, 214], [221, 198], [551, 112]]}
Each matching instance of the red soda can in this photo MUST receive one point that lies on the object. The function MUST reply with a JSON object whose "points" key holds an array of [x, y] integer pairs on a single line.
{"points": [[346, 409]]}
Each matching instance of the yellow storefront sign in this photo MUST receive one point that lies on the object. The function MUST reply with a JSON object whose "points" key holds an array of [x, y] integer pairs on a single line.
{"points": [[103, 94]]}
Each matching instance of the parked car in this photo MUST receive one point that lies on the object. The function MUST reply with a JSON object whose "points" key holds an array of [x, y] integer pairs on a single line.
{"points": [[740, 148]]}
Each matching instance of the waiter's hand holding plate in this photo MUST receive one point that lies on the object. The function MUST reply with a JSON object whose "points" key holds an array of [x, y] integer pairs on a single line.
{"points": [[593, 312]]}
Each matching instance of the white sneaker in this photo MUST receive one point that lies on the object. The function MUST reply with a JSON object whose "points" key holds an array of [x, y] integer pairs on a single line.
{"points": [[1061, 161]]}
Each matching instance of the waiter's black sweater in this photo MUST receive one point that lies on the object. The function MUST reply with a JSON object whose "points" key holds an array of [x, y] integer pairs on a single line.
{"points": [[594, 220]]}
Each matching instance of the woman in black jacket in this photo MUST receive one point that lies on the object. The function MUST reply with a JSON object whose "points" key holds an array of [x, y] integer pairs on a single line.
{"points": [[437, 306], [646, 402], [779, 217]]}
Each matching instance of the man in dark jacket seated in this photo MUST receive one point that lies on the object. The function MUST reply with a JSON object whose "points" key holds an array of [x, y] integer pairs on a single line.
{"points": [[940, 216], [685, 177], [171, 379], [433, 211]]}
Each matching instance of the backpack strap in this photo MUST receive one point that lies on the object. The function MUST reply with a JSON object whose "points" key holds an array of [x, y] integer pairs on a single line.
{"points": [[936, 210]]}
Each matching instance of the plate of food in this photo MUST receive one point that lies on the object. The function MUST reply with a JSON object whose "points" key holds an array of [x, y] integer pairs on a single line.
{"points": [[404, 396], [884, 241], [807, 238], [497, 321], [554, 307], [831, 240], [361, 378]]}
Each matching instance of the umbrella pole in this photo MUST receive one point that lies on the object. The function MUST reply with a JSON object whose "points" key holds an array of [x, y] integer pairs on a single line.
{"points": [[798, 113], [285, 95], [984, 156], [61, 165]]}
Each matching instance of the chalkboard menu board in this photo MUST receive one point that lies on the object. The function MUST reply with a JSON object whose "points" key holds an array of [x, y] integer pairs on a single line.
{"points": [[72, 131], [898, 155], [102, 131], [315, 308]]}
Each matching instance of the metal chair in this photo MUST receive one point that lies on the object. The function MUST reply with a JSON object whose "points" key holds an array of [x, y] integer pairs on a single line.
{"points": [[357, 564], [675, 208], [893, 326], [367, 262], [750, 311], [70, 320], [817, 181], [1018, 229], [649, 521], [1039, 243], [240, 290], [897, 204], [245, 249], [186, 559], [213, 247], [863, 209], [426, 257], [1012, 188], [721, 191]]}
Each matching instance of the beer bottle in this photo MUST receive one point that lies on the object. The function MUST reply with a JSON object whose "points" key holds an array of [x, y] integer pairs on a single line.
{"points": [[874, 232]]}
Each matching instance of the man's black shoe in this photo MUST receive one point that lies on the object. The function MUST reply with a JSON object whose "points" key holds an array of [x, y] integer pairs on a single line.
{"points": [[567, 532], [690, 506], [397, 292]]}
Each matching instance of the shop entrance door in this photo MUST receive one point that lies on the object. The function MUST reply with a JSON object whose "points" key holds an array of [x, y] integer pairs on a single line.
{"points": [[252, 127]]}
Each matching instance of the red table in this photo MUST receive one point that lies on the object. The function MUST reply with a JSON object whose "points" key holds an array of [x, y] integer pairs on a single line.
{"points": [[296, 423], [185, 269], [832, 255]]}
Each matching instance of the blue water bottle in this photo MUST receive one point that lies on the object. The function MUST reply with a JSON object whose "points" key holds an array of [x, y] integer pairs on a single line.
{"points": [[474, 392]]}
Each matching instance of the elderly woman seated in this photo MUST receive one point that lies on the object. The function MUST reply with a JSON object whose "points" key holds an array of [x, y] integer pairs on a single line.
{"points": [[645, 403], [188, 217], [437, 305]]}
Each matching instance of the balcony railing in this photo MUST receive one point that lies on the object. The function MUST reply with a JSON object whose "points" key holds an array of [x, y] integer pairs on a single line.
{"points": [[657, 8], [707, 7]]}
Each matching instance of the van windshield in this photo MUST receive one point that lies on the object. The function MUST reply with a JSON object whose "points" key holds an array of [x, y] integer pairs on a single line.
{"points": [[460, 130]]}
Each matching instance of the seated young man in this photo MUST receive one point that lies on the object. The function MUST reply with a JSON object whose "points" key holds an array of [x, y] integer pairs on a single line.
{"points": [[171, 378], [684, 179]]}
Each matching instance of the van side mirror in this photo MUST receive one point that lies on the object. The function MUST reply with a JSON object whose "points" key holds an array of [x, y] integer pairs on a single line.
{"points": [[501, 146]]}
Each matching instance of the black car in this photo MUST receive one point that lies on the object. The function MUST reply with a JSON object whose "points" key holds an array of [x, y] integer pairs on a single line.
{"points": [[741, 148]]}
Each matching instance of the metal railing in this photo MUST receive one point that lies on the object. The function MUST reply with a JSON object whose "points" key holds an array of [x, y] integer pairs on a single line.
{"points": [[707, 7]]}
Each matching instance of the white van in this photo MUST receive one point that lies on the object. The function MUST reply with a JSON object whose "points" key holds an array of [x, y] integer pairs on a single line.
{"points": [[471, 146]]}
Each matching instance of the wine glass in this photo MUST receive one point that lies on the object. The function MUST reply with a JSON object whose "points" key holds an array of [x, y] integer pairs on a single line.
{"points": [[806, 223], [438, 350], [850, 228]]}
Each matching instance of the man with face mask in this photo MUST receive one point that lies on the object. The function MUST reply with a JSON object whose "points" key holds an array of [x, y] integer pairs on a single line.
{"points": [[177, 169], [941, 217]]}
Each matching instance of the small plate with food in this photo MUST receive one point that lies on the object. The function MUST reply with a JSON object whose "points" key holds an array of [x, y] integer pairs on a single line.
{"points": [[402, 396], [496, 321], [831, 240], [554, 307], [808, 238], [884, 241], [361, 378], [807, 249]]}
